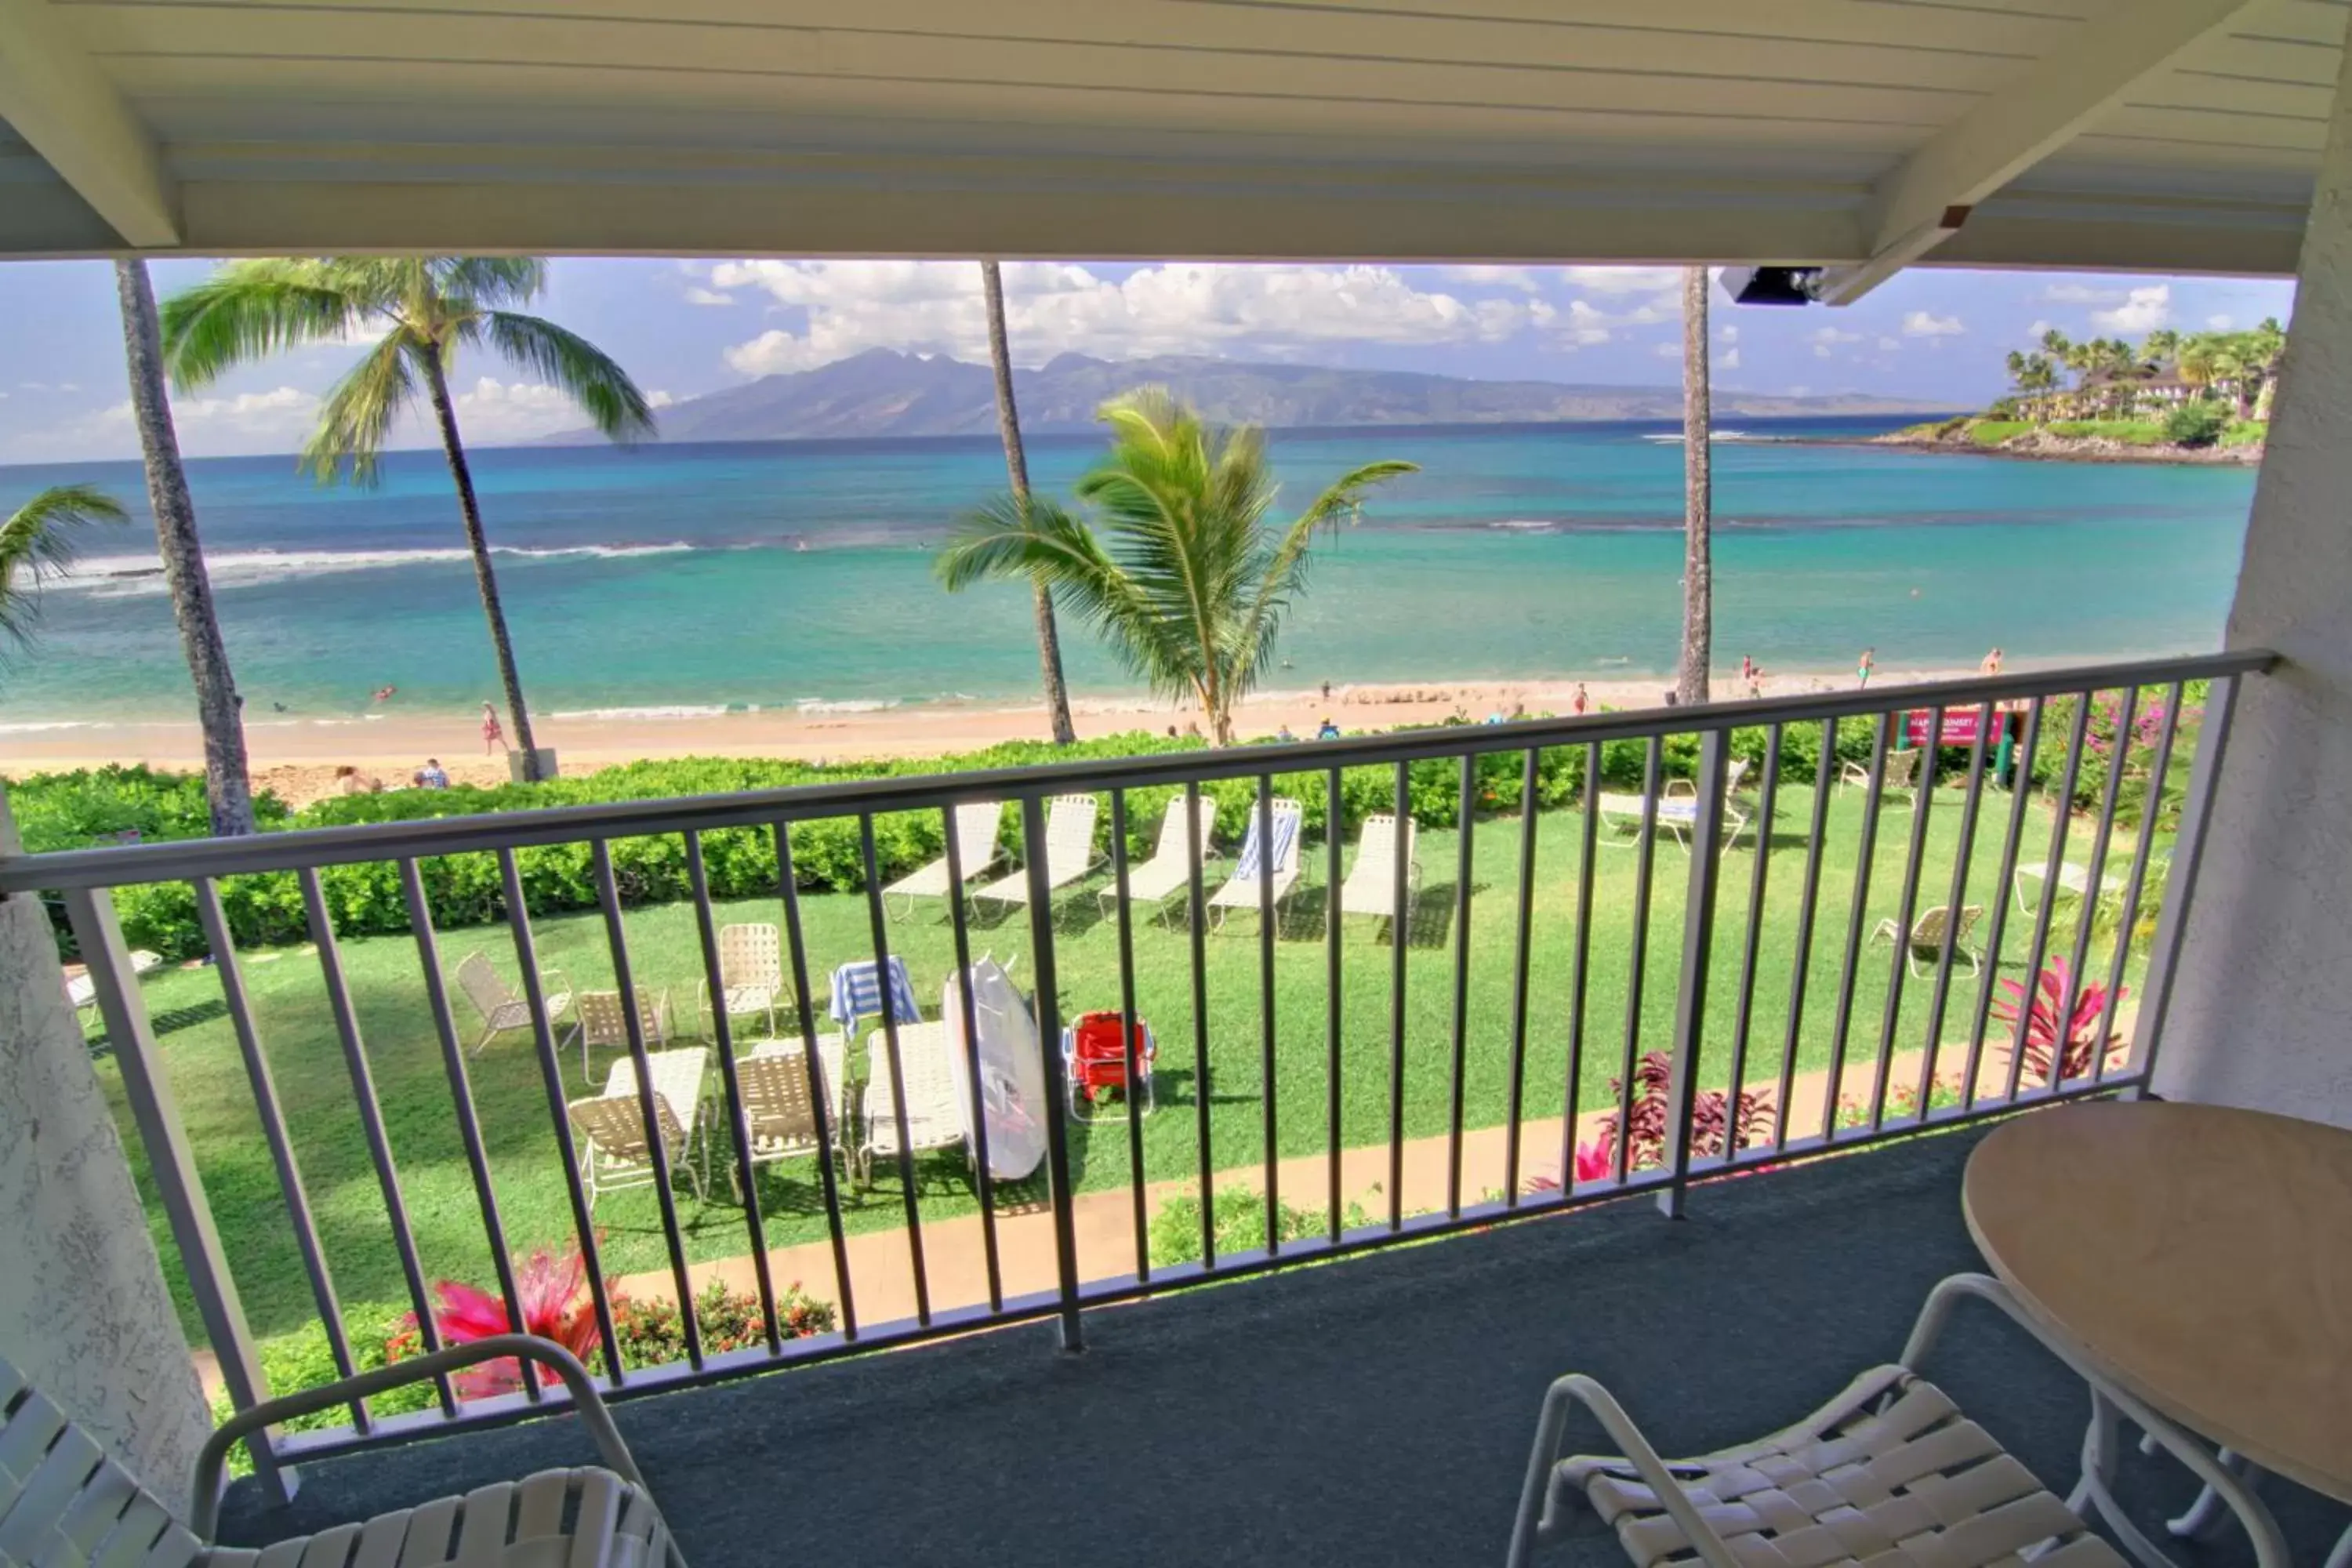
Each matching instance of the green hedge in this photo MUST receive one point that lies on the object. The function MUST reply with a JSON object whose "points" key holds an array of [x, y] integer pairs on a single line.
{"points": [[63, 811]]}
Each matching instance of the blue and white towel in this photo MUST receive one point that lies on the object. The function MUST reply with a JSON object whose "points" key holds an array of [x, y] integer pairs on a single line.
{"points": [[1286, 842], [857, 993]]}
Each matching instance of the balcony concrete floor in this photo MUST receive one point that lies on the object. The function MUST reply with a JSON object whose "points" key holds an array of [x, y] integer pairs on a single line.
{"points": [[1373, 1411]]}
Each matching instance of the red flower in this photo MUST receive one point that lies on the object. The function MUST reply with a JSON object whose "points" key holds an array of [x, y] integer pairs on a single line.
{"points": [[1596, 1161], [2055, 996], [553, 1292]]}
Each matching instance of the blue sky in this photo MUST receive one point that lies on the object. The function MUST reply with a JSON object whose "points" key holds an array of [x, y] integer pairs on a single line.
{"points": [[685, 328]]}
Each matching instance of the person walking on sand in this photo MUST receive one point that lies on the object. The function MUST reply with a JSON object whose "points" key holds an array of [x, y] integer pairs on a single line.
{"points": [[1866, 668], [1992, 665], [1579, 701], [493, 737]]}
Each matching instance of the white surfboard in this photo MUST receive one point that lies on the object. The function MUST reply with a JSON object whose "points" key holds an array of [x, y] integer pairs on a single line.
{"points": [[1011, 1070]]}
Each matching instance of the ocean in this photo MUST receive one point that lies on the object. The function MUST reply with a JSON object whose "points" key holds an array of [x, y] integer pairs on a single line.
{"points": [[693, 579]]}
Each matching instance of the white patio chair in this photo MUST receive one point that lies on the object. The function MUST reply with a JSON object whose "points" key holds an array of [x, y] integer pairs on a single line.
{"points": [[1926, 948], [937, 1116], [1170, 867], [1370, 888], [1069, 852], [2074, 881], [1888, 1472], [65, 1503], [604, 1021], [751, 975], [1677, 813], [1243, 889], [1902, 773], [976, 846], [82, 990], [609, 1130], [501, 1011]]}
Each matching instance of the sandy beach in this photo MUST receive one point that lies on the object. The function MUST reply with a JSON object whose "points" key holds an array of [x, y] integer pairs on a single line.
{"points": [[298, 758]]}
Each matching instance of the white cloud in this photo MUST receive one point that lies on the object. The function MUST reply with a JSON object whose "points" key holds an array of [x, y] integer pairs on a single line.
{"points": [[660, 399], [2220, 323], [496, 413], [1728, 360], [1668, 351], [2082, 294], [1926, 324], [2145, 309], [1728, 334], [1827, 341], [2037, 329], [285, 414], [1626, 279], [695, 294], [1889, 345], [933, 307]]}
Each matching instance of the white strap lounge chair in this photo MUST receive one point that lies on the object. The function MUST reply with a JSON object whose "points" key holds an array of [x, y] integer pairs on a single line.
{"points": [[1069, 851], [1677, 814], [64, 1503], [82, 990], [1371, 885], [2074, 881], [976, 846], [751, 975], [1245, 890], [1902, 773], [1926, 948], [1170, 867], [501, 1010], [604, 1021], [609, 1130], [937, 1116], [832, 1057], [1888, 1472]]}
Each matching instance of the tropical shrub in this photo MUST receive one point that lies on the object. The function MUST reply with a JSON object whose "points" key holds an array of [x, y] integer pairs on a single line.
{"points": [[302, 1358], [1240, 1218], [652, 1332], [2058, 1010], [553, 1292], [2196, 424], [1714, 1117]]}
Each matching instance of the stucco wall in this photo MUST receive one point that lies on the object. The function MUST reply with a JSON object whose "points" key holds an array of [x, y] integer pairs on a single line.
{"points": [[83, 1310], [2261, 1009]]}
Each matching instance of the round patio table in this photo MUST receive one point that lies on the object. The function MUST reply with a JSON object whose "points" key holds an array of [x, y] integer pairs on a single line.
{"points": [[2198, 1257]]}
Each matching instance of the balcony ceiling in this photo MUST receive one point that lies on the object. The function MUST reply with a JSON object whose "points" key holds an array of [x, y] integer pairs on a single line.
{"points": [[2160, 136]]}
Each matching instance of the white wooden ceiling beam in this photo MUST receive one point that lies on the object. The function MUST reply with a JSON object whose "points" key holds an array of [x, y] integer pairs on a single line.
{"points": [[70, 113], [1925, 200]]}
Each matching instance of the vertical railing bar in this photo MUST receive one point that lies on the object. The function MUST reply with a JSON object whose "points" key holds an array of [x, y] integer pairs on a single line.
{"points": [[281, 1147], [379, 1145], [2020, 792], [984, 1176], [2061, 813], [1866, 853], [1519, 966], [739, 1126], [1962, 854], [1906, 910], [1400, 940], [1465, 814], [881, 941], [551, 1072], [2087, 907], [1580, 969], [1637, 975], [1266, 934], [1800, 976], [2150, 809], [616, 942], [1690, 987], [2180, 883], [1767, 799], [1335, 833], [1198, 919], [461, 1099], [147, 1088], [1127, 1035], [820, 1091], [1062, 1200]]}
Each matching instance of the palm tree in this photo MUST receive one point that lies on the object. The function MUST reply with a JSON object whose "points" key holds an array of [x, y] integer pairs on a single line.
{"points": [[427, 309], [1016, 466], [1698, 496], [229, 792], [1187, 581], [39, 541]]}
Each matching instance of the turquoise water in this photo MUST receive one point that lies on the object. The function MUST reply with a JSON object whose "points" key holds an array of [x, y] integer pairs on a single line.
{"points": [[785, 573]]}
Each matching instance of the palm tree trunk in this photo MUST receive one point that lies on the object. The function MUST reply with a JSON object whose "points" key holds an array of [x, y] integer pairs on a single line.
{"points": [[1016, 465], [484, 578], [1698, 496], [229, 792]]}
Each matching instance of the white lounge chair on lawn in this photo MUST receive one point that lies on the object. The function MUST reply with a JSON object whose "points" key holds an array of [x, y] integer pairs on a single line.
{"points": [[82, 990], [937, 1116], [1069, 852], [976, 846], [751, 976], [501, 1010], [1926, 944], [1370, 888], [609, 1130], [1170, 867], [2074, 881], [64, 1502], [1245, 892], [1902, 771], [1677, 809], [604, 1021]]}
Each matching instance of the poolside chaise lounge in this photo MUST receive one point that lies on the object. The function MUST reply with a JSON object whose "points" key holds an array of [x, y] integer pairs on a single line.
{"points": [[976, 846], [1069, 852], [1170, 867], [1245, 888], [1371, 885]]}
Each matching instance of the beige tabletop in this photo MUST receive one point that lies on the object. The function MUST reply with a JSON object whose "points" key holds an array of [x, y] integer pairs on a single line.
{"points": [[2201, 1256]]}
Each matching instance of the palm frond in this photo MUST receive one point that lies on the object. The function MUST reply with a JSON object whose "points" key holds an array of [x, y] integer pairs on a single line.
{"points": [[488, 282], [359, 413], [250, 310], [40, 539], [592, 378]]}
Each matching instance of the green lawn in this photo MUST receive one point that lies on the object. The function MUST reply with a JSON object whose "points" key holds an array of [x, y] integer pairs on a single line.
{"points": [[299, 1039]]}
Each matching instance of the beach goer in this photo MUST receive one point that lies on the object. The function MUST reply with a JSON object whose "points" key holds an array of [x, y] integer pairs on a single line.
{"points": [[1992, 665], [1326, 695], [1192, 731], [384, 693], [348, 780], [1171, 732], [1866, 669], [493, 737], [1747, 668], [432, 775], [1284, 735], [416, 779], [1330, 732], [1578, 702]]}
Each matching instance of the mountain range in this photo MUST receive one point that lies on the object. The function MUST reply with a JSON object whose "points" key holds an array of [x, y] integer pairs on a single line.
{"points": [[884, 393]]}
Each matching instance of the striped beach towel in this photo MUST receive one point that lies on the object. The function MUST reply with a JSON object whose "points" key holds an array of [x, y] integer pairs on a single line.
{"points": [[857, 993], [1286, 844]]}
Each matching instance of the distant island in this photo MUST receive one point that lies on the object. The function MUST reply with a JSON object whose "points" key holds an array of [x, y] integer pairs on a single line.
{"points": [[2203, 397], [883, 393]]}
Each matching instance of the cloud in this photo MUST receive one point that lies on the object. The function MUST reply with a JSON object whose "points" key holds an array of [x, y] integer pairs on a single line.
{"points": [[1520, 278], [496, 412], [1668, 351], [1730, 360], [1728, 334], [931, 307], [2220, 323], [1625, 280], [1889, 345], [2038, 328], [695, 294], [660, 399], [1926, 324], [2144, 309], [1828, 335], [2082, 294]]}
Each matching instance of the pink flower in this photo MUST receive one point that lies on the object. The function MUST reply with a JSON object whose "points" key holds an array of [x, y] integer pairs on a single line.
{"points": [[553, 1292], [1596, 1161]]}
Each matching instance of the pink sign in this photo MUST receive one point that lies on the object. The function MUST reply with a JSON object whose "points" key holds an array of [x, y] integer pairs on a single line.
{"points": [[1960, 725]]}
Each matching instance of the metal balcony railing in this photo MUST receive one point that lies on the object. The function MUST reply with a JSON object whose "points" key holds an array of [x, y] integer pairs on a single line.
{"points": [[1732, 1069]]}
